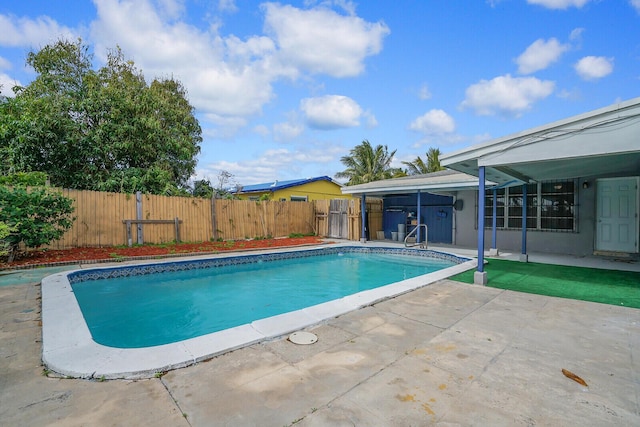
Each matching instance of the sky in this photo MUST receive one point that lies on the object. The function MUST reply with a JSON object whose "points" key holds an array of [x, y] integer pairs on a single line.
{"points": [[283, 90]]}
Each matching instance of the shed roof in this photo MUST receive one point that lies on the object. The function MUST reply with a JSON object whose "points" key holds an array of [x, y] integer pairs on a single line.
{"points": [[279, 185], [604, 142]]}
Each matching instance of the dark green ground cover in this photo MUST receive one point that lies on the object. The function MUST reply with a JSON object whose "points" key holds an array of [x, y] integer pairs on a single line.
{"points": [[586, 284]]}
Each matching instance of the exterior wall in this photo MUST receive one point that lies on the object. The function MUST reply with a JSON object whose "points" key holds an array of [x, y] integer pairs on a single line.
{"points": [[252, 195], [580, 243], [436, 212], [317, 190]]}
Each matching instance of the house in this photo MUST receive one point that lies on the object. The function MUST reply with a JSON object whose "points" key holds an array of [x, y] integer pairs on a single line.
{"points": [[574, 183], [295, 190]]}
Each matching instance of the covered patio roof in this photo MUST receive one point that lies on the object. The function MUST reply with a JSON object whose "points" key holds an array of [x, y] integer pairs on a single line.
{"points": [[436, 182], [604, 142]]}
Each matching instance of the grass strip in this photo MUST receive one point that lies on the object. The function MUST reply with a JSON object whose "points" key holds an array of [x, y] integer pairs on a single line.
{"points": [[587, 284]]}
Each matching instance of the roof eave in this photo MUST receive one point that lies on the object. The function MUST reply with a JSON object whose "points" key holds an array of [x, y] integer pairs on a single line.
{"points": [[471, 154]]}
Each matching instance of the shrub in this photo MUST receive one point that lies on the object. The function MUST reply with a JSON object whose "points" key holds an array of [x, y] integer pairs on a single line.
{"points": [[5, 231], [36, 216]]}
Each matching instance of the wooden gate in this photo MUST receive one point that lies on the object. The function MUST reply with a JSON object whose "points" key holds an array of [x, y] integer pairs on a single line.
{"points": [[338, 219]]}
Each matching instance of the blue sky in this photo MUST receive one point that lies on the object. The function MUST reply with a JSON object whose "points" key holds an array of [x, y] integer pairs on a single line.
{"points": [[284, 90]]}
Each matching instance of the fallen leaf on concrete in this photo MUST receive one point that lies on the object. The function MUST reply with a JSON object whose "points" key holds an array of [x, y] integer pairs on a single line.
{"points": [[574, 377]]}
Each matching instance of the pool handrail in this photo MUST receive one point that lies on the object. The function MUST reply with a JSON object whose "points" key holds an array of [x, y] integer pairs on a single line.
{"points": [[423, 244]]}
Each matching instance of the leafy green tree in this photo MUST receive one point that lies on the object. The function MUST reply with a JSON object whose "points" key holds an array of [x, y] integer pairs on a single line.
{"points": [[36, 216], [366, 164], [24, 178], [99, 130], [202, 188], [420, 167]]}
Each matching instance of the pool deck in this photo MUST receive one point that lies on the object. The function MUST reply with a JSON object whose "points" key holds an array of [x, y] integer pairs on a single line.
{"points": [[446, 354]]}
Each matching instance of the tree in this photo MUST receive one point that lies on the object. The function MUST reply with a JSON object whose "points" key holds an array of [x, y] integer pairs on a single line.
{"points": [[419, 167], [102, 130], [226, 182], [35, 217], [202, 188], [367, 164]]}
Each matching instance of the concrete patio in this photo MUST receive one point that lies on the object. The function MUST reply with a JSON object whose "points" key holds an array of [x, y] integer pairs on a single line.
{"points": [[447, 354]]}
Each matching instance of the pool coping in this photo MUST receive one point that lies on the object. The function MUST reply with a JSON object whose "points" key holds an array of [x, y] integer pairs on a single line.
{"points": [[69, 350]]}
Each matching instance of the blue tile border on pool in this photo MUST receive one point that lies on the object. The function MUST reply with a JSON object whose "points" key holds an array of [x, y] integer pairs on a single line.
{"points": [[142, 269]]}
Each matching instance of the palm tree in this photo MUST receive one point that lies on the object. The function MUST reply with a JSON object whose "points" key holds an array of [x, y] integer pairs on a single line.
{"points": [[419, 167], [367, 164]]}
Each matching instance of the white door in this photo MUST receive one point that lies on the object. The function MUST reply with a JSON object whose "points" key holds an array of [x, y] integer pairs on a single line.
{"points": [[617, 219]]}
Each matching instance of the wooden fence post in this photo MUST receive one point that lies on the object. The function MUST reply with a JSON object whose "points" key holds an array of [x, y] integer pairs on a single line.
{"points": [[214, 226], [139, 216], [177, 225]]}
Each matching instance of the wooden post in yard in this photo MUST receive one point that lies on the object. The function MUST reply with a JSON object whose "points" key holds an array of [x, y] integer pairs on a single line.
{"points": [[213, 217], [139, 216]]}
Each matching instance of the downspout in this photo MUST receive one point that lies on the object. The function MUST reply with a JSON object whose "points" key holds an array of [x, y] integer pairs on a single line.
{"points": [[454, 218], [418, 212], [480, 276], [363, 211], [523, 255]]}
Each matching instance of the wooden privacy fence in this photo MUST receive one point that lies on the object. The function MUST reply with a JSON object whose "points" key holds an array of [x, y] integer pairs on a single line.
{"points": [[244, 219], [100, 215], [101, 219]]}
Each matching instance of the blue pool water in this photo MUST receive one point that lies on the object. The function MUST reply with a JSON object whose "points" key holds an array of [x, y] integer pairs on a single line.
{"points": [[159, 308]]}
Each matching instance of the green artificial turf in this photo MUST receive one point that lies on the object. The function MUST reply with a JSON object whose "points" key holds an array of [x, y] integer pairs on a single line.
{"points": [[587, 284]]}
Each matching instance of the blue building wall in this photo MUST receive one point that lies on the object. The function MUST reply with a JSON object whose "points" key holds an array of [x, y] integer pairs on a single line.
{"points": [[436, 212]]}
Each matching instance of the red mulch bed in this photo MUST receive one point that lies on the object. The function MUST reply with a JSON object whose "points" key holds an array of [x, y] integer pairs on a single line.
{"points": [[69, 256]]}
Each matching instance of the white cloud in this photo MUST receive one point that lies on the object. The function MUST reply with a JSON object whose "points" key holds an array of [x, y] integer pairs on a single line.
{"points": [[576, 34], [434, 122], [559, 4], [539, 55], [226, 126], [5, 64], [573, 94], [287, 131], [331, 112], [372, 121], [26, 32], [234, 77], [635, 4], [6, 85], [424, 93], [227, 6], [280, 163], [506, 95], [594, 67], [322, 41], [171, 9], [262, 130]]}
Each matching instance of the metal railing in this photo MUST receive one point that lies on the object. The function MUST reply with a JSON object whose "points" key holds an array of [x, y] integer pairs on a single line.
{"points": [[423, 244]]}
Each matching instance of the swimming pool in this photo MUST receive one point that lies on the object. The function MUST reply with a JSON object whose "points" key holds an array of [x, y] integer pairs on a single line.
{"points": [[170, 306], [73, 346]]}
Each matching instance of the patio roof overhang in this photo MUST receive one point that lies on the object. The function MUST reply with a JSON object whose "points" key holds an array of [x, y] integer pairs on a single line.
{"points": [[604, 142], [601, 143], [443, 182]]}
